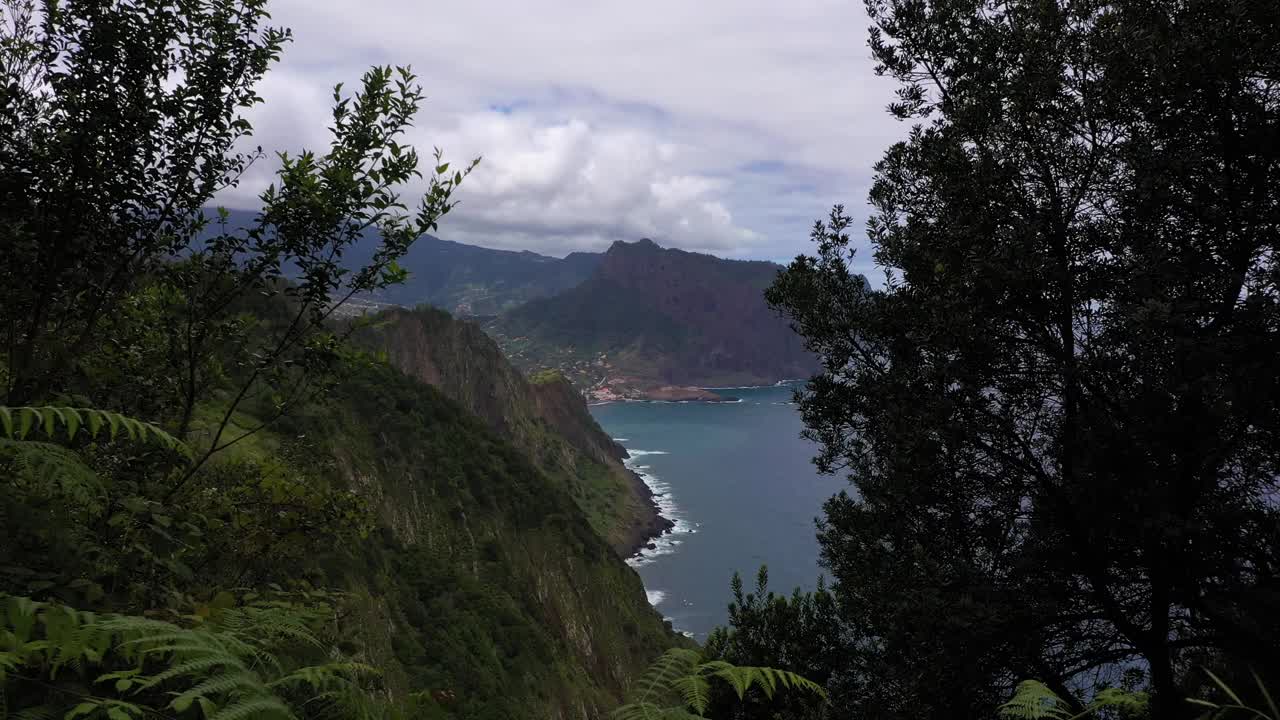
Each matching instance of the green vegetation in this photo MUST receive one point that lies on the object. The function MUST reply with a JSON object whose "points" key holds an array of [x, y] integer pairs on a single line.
{"points": [[1059, 414], [267, 522], [658, 317], [230, 663], [545, 376], [542, 416], [686, 675]]}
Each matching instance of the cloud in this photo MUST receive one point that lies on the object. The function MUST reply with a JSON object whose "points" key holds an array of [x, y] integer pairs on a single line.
{"points": [[720, 125]]}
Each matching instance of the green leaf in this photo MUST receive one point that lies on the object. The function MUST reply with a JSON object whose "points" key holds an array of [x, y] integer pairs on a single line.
{"points": [[25, 417], [1224, 687], [71, 417], [95, 423], [80, 711]]}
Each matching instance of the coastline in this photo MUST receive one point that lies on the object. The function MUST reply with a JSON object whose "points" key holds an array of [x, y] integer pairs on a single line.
{"points": [[651, 525], [622, 391]]}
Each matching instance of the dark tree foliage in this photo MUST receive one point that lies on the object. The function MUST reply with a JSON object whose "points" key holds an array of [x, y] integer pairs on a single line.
{"points": [[1059, 415], [117, 123], [799, 634]]}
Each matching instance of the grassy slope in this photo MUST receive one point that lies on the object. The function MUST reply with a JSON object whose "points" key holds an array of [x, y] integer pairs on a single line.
{"points": [[545, 419], [487, 581]]}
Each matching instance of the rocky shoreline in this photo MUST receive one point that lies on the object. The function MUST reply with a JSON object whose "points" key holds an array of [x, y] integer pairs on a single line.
{"points": [[648, 527]]}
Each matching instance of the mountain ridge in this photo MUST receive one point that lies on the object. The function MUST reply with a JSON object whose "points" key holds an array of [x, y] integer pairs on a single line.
{"points": [[652, 319]]}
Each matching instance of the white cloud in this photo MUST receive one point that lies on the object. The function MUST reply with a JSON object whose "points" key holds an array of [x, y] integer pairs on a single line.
{"points": [[718, 125]]}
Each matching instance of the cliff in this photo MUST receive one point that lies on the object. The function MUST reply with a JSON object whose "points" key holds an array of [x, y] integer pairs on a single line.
{"points": [[484, 589], [545, 418]]}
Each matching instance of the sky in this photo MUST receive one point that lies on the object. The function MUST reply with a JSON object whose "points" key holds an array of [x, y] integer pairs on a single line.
{"points": [[721, 126]]}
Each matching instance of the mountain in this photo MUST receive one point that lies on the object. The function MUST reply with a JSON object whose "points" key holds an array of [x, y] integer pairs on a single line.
{"points": [[473, 280], [650, 319], [543, 416], [464, 279]]}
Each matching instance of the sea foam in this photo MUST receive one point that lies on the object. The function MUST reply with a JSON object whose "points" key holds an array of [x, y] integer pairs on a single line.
{"points": [[666, 543]]}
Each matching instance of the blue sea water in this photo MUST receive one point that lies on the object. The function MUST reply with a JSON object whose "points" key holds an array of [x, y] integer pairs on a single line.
{"points": [[737, 480]]}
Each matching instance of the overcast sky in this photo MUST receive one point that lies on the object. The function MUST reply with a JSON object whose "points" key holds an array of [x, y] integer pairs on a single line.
{"points": [[724, 126]]}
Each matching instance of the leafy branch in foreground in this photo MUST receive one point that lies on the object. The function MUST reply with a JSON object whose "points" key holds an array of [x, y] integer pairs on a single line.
{"points": [[684, 675]]}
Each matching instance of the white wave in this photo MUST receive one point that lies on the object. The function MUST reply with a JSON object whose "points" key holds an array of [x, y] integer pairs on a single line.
{"points": [[621, 440], [655, 597], [666, 543]]}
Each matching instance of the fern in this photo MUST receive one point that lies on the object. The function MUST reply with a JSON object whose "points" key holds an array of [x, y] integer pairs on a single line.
{"points": [[48, 471], [18, 422], [226, 665], [1033, 700], [684, 674]]}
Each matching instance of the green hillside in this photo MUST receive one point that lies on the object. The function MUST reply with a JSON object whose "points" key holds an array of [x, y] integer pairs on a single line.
{"points": [[651, 316], [544, 417]]}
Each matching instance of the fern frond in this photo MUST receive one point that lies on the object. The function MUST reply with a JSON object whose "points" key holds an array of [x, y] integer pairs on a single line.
{"points": [[1033, 700], [1130, 702], [52, 472], [325, 677], [264, 708], [18, 422], [772, 677], [683, 673], [268, 623], [649, 711], [226, 672], [695, 691], [659, 679], [234, 683]]}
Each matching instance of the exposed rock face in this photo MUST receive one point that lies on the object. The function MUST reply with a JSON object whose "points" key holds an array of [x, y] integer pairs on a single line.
{"points": [[664, 316], [547, 419]]}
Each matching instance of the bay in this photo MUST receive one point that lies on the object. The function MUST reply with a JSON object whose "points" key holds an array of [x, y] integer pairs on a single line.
{"points": [[739, 483]]}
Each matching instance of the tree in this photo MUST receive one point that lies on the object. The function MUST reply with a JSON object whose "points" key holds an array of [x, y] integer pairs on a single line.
{"points": [[1060, 414], [119, 123], [797, 633]]}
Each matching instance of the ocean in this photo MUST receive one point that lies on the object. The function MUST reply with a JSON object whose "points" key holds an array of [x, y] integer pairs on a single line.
{"points": [[737, 480]]}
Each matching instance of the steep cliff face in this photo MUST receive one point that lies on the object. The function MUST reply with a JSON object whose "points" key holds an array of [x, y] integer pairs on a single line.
{"points": [[663, 316], [485, 589], [546, 419]]}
